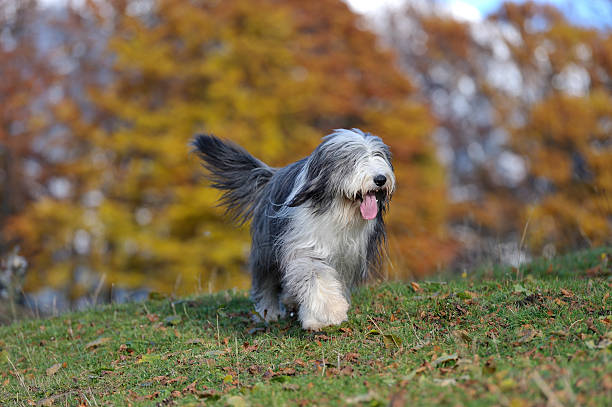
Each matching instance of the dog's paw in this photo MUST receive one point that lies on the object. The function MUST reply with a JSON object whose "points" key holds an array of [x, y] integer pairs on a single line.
{"points": [[268, 313], [332, 312]]}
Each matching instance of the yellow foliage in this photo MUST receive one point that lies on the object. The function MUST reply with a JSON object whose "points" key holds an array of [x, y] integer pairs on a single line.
{"points": [[274, 77]]}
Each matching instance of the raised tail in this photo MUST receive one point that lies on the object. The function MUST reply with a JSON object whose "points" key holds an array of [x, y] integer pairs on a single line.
{"points": [[234, 171]]}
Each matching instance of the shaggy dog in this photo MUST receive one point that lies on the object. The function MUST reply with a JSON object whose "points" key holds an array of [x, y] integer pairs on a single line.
{"points": [[317, 224]]}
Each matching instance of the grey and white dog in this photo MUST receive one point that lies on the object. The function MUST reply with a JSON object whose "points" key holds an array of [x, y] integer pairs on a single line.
{"points": [[317, 224]]}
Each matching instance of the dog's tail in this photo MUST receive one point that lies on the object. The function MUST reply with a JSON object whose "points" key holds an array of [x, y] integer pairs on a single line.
{"points": [[234, 171]]}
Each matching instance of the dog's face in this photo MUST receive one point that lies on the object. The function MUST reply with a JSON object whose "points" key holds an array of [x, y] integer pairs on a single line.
{"points": [[349, 165]]}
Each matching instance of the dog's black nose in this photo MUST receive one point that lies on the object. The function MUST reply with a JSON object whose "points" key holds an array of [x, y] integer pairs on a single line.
{"points": [[380, 180]]}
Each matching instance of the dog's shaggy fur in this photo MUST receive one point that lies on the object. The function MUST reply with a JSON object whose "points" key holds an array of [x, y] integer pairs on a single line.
{"points": [[317, 224]]}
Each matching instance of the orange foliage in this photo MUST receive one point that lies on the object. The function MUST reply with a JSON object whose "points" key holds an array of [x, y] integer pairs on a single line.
{"points": [[272, 76]]}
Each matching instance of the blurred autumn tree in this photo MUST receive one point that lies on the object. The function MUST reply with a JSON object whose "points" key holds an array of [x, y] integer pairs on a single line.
{"points": [[522, 102], [24, 78], [272, 76], [566, 133]]}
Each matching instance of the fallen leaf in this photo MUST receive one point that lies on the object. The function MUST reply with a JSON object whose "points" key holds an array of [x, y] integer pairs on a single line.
{"points": [[528, 335], [392, 340], [444, 358], [398, 399], [126, 347], [445, 382], [507, 384], [362, 398], [228, 378], [463, 335], [249, 348], [517, 288], [172, 320], [148, 358], [98, 342], [518, 402], [53, 369], [196, 341], [236, 401], [489, 367], [152, 317], [351, 357], [415, 286], [45, 402]]}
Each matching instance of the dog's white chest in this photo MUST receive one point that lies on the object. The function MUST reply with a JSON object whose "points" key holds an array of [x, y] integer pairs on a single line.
{"points": [[339, 236]]}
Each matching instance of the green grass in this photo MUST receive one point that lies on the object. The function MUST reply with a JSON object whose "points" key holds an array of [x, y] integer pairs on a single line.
{"points": [[491, 337]]}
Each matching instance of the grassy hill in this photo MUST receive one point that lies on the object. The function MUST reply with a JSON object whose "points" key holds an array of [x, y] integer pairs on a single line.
{"points": [[530, 337]]}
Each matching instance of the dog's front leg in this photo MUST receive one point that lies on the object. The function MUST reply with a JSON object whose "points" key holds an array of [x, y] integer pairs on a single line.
{"points": [[317, 290]]}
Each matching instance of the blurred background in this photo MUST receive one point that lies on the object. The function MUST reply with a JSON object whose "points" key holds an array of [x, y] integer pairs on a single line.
{"points": [[499, 116]]}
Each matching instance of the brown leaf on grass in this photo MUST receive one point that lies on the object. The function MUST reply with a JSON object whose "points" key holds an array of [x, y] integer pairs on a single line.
{"points": [[559, 302], [44, 402], [398, 399], [165, 380], [289, 371], [598, 271], [462, 335], [490, 366], [351, 357], [97, 343], [567, 293], [254, 369], [592, 326], [53, 369], [607, 381], [153, 317], [527, 335], [249, 348], [191, 388], [195, 341], [152, 396], [285, 371], [346, 371], [416, 287]]}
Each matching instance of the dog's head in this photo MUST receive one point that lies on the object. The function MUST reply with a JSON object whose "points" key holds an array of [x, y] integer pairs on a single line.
{"points": [[349, 165]]}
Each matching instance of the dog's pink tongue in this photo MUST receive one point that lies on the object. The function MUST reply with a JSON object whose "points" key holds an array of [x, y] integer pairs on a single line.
{"points": [[369, 207]]}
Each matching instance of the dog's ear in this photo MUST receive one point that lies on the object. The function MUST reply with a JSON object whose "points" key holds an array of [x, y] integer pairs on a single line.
{"points": [[305, 193], [314, 190]]}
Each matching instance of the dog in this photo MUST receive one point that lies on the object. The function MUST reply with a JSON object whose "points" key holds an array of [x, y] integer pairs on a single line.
{"points": [[317, 224]]}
